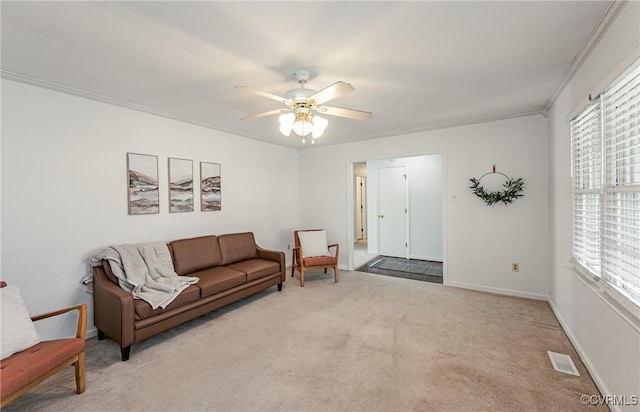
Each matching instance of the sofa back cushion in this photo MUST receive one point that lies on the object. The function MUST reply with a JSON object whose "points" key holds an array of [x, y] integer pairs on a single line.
{"points": [[194, 254], [237, 246]]}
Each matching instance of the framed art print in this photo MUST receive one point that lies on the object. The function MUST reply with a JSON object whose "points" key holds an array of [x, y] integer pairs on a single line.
{"points": [[142, 172], [210, 187], [180, 185]]}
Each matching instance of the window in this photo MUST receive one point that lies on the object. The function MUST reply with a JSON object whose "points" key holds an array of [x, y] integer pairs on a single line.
{"points": [[605, 142]]}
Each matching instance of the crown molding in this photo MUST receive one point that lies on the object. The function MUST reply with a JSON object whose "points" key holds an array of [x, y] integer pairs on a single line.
{"points": [[606, 20], [9, 75]]}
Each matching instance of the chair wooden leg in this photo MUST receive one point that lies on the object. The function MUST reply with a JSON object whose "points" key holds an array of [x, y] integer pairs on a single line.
{"points": [[335, 271], [301, 277], [325, 270], [80, 373]]}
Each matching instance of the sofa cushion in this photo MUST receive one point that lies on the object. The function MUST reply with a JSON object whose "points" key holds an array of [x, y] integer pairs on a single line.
{"points": [[218, 279], [144, 310], [237, 246], [256, 268], [319, 261], [198, 253], [25, 367]]}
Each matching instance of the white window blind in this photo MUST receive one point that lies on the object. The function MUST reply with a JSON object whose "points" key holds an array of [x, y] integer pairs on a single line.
{"points": [[621, 217], [606, 187], [587, 185]]}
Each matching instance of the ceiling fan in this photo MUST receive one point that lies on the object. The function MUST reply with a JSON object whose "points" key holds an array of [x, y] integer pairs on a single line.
{"points": [[303, 106]]}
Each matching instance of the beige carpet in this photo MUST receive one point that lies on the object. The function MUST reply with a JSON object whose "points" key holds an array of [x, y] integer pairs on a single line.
{"points": [[368, 343]]}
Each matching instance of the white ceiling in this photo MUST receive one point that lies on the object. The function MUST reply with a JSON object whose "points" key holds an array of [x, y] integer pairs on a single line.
{"points": [[415, 65]]}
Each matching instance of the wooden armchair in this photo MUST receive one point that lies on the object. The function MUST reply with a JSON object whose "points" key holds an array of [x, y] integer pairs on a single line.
{"points": [[26, 369], [303, 261]]}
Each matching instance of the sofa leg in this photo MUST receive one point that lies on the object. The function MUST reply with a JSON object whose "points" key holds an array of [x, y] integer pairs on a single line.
{"points": [[101, 335], [125, 352], [280, 287]]}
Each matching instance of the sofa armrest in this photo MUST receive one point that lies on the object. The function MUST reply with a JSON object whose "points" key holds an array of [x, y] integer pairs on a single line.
{"points": [[274, 256], [113, 309], [81, 331]]}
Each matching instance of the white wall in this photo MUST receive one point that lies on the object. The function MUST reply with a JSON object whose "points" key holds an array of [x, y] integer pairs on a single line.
{"points": [[608, 344], [64, 189], [425, 204], [481, 242]]}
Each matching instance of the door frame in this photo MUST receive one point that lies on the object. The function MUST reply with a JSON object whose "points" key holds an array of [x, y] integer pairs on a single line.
{"points": [[351, 205]]}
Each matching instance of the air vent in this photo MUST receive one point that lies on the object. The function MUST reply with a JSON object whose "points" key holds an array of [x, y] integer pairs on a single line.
{"points": [[563, 363]]}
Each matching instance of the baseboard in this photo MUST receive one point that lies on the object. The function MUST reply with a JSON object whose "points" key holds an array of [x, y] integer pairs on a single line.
{"points": [[91, 333], [583, 356], [499, 291]]}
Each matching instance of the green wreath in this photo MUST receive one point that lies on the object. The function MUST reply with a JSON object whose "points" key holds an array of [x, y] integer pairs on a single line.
{"points": [[513, 190]]}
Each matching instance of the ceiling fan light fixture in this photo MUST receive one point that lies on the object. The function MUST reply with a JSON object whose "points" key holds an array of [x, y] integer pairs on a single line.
{"points": [[285, 130], [302, 103], [319, 124], [302, 126], [286, 123]]}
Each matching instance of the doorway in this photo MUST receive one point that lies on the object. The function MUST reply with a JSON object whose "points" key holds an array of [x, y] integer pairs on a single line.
{"points": [[415, 184]]}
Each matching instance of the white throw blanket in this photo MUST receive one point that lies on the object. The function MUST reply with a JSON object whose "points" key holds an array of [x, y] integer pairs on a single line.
{"points": [[146, 270]]}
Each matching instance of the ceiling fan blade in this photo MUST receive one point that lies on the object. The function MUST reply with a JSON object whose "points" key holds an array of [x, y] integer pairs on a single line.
{"points": [[335, 90], [263, 94], [350, 113], [265, 114]]}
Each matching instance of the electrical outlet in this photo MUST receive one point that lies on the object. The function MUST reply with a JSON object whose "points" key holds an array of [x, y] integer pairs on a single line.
{"points": [[515, 267], [288, 247]]}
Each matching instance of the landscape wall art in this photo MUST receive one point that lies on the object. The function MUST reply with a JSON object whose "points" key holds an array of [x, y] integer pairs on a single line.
{"points": [[210, 187], [180, 185], [142, 172]]}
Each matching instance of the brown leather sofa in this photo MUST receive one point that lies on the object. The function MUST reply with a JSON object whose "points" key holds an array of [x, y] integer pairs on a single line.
{"points": [[230, 267]]}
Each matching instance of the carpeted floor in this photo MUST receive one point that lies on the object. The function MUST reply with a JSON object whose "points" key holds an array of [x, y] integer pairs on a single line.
{"points": [[414, 269], [367, 343]]}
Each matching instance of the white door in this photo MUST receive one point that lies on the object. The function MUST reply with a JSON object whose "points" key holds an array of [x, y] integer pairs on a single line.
{"points": [[361, 209], [392, 211]]}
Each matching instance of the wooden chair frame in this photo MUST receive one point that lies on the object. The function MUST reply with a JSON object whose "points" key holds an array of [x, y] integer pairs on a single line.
{"points": [[78, 360], [298, 261]]}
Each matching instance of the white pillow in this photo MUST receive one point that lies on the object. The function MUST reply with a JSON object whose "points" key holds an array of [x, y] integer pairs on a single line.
{"points": [[17, 330], [314, 243]]}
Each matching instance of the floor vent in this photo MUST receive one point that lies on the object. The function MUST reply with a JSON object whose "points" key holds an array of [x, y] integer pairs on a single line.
{"points": [[563, 363]]}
